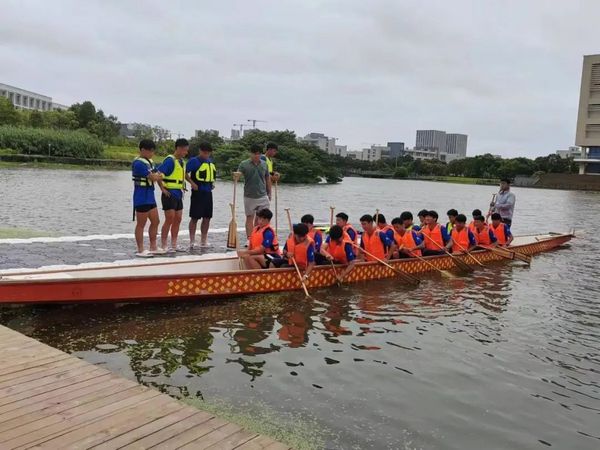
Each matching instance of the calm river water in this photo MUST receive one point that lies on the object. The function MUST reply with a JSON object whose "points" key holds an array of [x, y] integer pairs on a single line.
{"points": [[507, 357]]}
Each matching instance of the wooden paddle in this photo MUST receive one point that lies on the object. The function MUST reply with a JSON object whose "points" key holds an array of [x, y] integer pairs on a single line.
{"points": [[491, 207], [287, 211], [276, 209], [468, 253], [404, 275], [443, 272], [509, 254], [457, 262], [232, 233]]}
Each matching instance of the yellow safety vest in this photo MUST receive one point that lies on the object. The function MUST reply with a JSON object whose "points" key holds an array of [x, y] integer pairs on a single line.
{"points": [[206, 172], [175, 178], [143, 181], [269, 162]]}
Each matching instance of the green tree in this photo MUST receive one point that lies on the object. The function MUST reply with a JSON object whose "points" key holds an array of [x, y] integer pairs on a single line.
{"points": [[85, 112], [401, 172], [36, 119], [8, 114]]}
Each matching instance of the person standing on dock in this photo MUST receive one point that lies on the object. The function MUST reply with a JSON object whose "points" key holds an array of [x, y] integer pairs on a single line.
{"points": [[144, 176], [172, 186], [257, 187], [270, 153], [505, 202], [200, 173]]}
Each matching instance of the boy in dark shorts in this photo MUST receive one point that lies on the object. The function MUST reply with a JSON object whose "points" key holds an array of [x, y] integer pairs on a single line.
{"points": [[201, 172], [172, 186], [144, 176]]}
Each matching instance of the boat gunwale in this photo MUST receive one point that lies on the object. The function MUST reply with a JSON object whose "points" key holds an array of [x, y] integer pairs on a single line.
{"points": [[8, 281]]}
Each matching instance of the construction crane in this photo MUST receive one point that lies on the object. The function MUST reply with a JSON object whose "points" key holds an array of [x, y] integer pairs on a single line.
{"points": [[254, 122], [241, 125]]}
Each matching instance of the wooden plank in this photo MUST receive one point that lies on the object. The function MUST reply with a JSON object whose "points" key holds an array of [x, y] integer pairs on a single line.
{"points": [[277, 446], [45, 395], [52, 405], [111, 426], [213, 437], [52, 400], [257, 443], [13, 389], [134, 435], [193, 433], [54, 425], [234, 440], [159, 438], [40, 371]]}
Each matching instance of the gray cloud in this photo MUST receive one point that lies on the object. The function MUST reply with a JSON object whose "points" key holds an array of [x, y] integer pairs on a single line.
{"points": [[506, 73]]}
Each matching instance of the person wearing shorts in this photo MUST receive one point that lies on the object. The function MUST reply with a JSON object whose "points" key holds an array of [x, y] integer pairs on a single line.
{"points": [[200, 172], [144, 175], [172, 186], [257, 186]]}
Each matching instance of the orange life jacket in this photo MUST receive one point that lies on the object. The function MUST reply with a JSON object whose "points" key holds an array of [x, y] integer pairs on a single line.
{"points": [[386, 228], [350, 227], [435, 235], [338, 250], [299, 251], [482, 237], [407, 240], [314, 232], [472, 226], [460, 240], [373, 245], [500, 233], [256, 239]]}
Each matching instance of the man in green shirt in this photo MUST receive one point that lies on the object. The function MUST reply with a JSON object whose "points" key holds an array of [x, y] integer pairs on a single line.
{"points": [[257, 186]]}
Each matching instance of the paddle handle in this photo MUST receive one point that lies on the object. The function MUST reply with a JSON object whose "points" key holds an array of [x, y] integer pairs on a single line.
{"points": [[468, 253], [276, 209], [289, 217], [406, 276], [234, 196], [331, 212]]}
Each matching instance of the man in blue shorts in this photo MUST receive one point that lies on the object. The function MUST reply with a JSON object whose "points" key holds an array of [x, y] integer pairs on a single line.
{"points": [[201, 172], [172, 186], [144, 176]]}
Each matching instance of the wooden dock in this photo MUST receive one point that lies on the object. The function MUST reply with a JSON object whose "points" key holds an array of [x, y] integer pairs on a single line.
{"points": [[50, 399]]}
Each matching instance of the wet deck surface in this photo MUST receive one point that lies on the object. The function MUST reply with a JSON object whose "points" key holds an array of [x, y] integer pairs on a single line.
{"points": [[50, 399]]}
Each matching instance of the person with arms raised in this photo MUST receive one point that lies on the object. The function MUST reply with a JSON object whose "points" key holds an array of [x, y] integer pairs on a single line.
{"points": [[201, 173], [144, 175]]}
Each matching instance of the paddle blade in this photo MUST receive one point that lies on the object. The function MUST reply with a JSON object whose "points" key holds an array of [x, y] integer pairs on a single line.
{"points": [[232, 235]]}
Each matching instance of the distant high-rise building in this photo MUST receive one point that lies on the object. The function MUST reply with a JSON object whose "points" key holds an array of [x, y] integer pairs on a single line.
{"points": [[235, 134], [341, 150], [396, 149], [588, 119], [431, 139], [325, 143], [456, 144]]}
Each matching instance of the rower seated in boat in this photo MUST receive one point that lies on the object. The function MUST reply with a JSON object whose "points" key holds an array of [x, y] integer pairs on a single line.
{"points": [[263, 245], [301, 248], [501, 230], [407, 243], [484, 236], [461, 238], [337, 248]]}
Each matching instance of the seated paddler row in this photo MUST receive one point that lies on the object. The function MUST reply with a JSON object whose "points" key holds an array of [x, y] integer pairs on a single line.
{"points": [[343, 244]]}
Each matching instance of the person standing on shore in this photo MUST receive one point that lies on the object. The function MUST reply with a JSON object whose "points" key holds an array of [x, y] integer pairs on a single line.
{"points": [[257, 186], [270, 153], [172, 186], [200, 173], [505, 202], [144, 176]]}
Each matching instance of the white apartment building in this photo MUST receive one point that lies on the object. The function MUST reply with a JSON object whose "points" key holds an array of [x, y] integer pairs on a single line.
{"points": [[325, 143], [28, 100], [571, 152]]}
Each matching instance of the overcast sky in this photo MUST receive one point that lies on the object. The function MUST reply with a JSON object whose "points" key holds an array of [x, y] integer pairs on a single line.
{"points": [[507, 73]]}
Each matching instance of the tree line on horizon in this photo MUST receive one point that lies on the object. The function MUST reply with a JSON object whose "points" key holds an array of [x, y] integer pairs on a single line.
{"points": [[83, 130]]}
